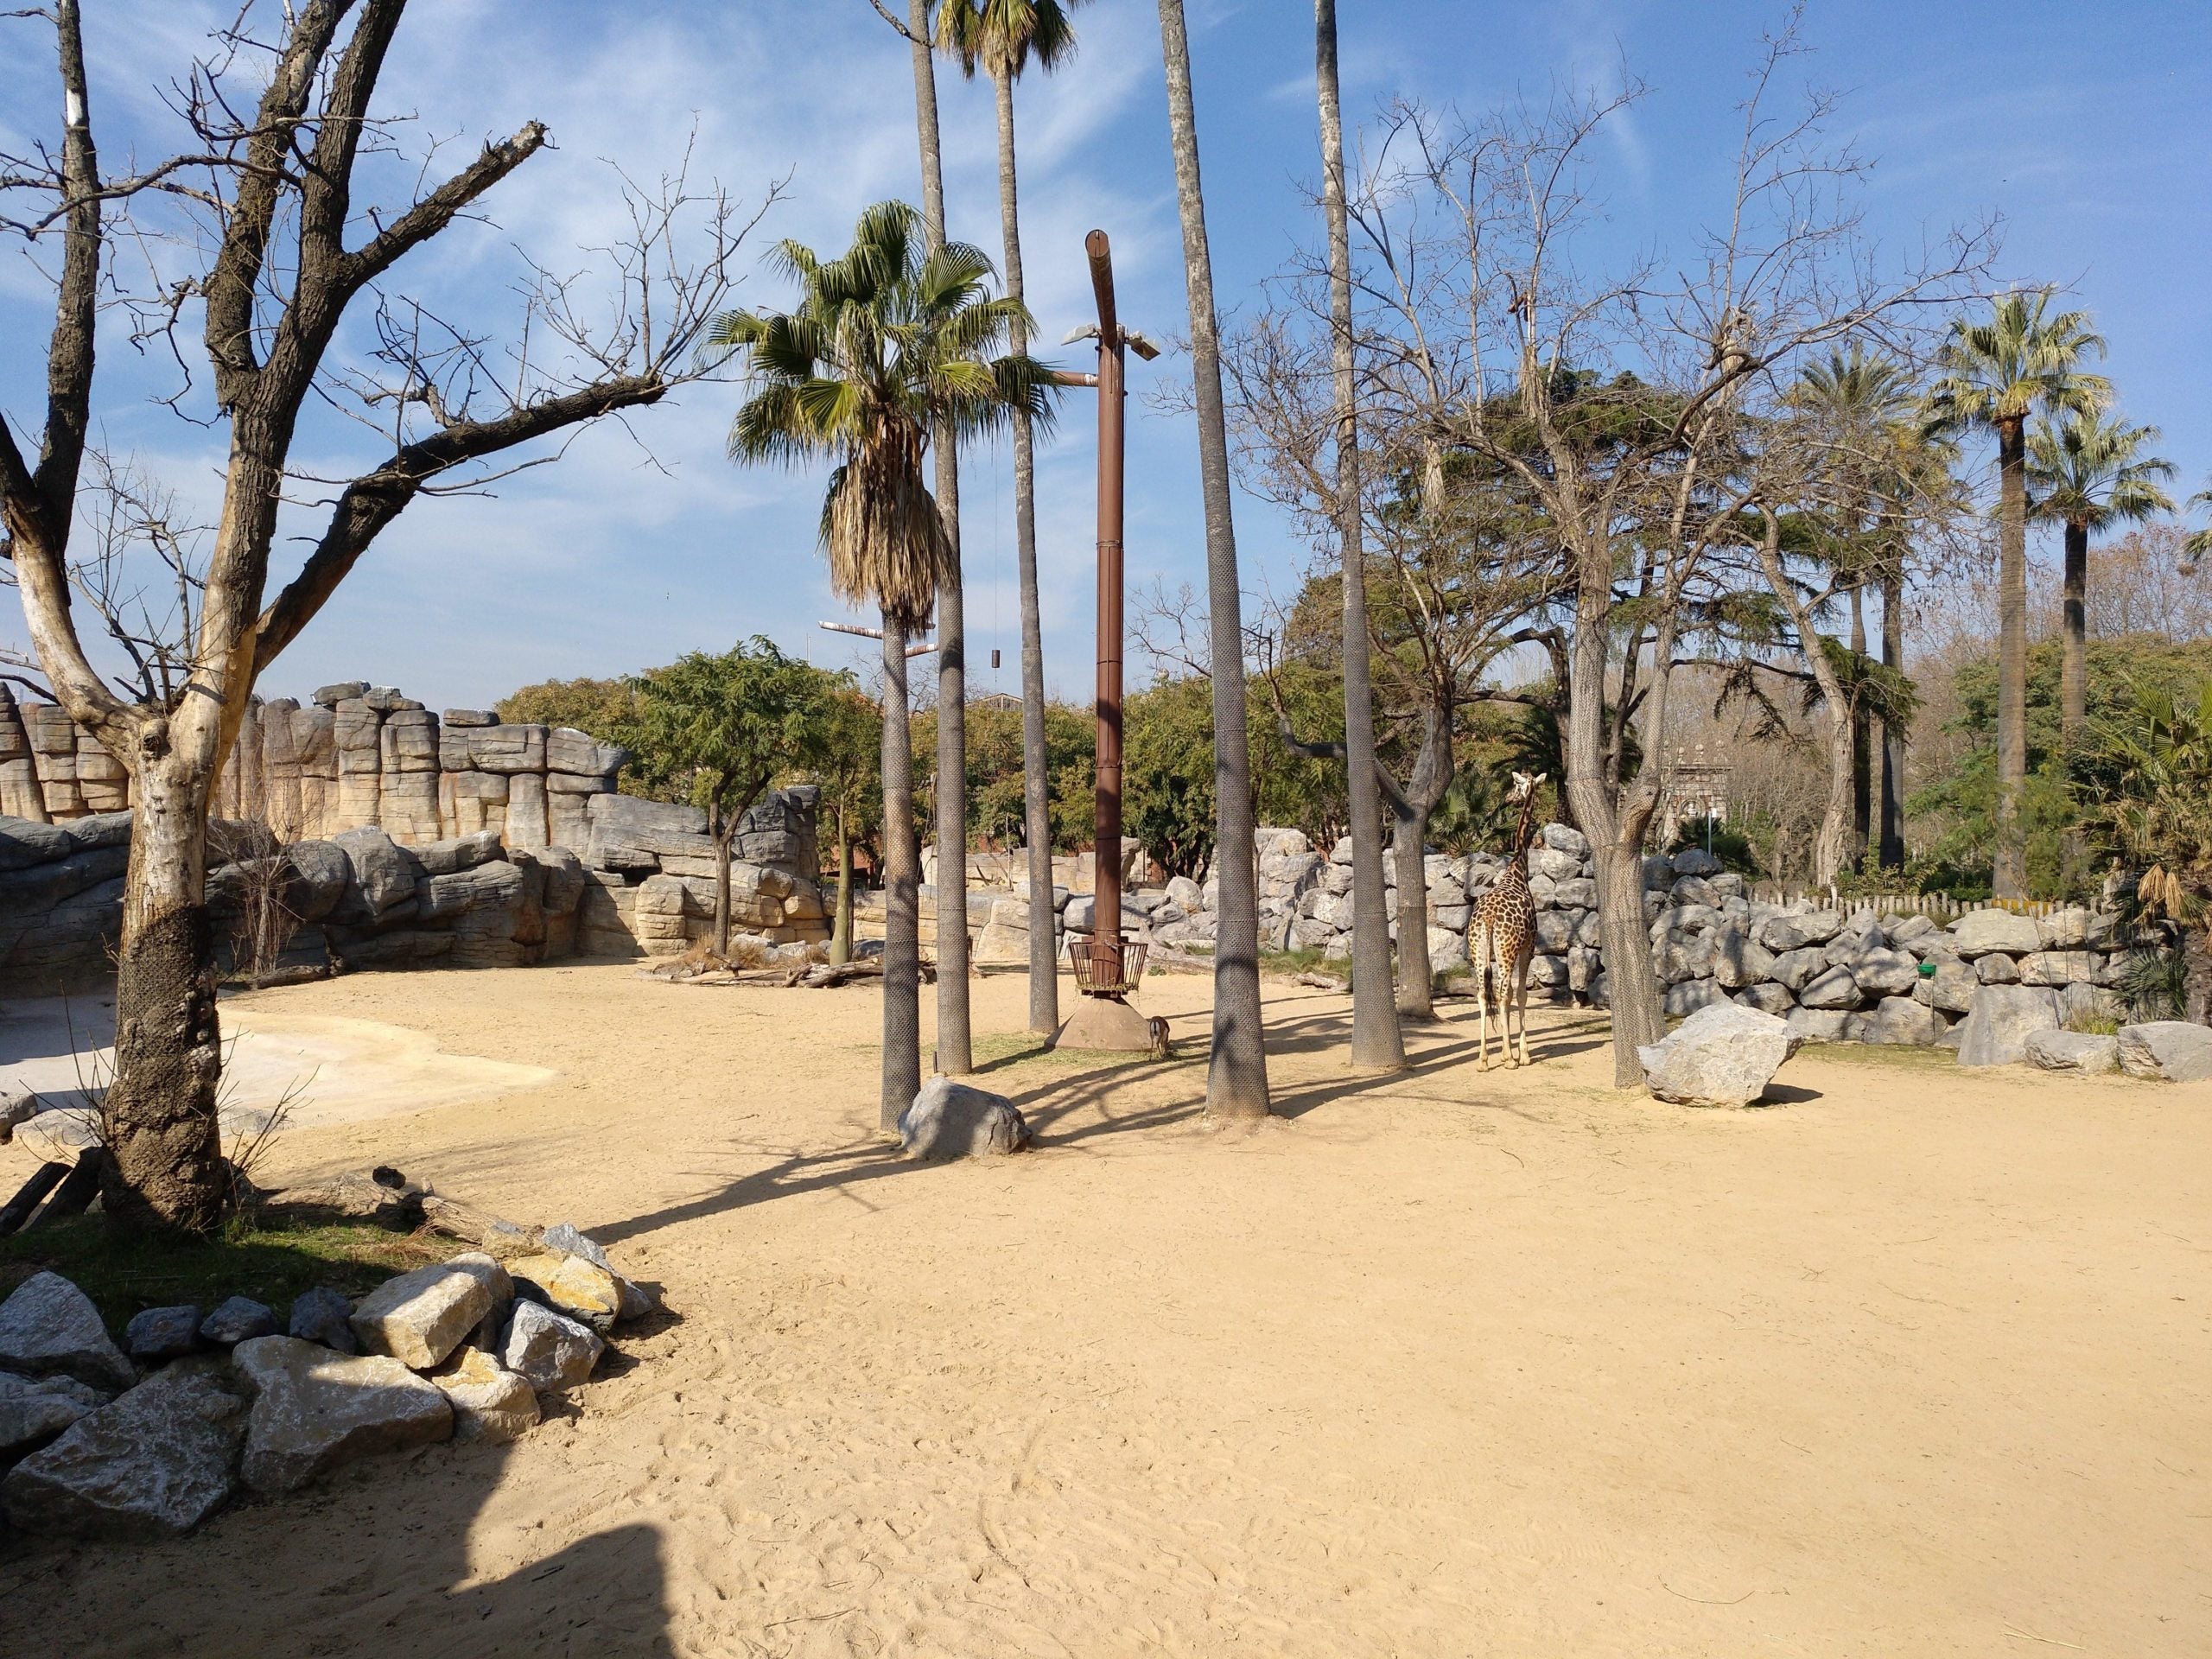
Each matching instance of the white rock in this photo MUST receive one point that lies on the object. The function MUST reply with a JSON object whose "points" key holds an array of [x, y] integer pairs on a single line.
{"points": [[1835, 988], [49, 1326], [2056, 967], [1900, 1019], [2072, 1051], [2172, 1050], [419, 1318], [154, 1462], [34, 1409], [1950, 987], [2002, 1019], [1980, 931], [550, 1350], [1722, 1055], [315, 1409], [1793, 930], [1565, 840], [954, 1120]]}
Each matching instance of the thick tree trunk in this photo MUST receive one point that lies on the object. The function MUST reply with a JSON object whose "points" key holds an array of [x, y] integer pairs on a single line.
{"points": [[2196, 975], [1237, 1079], [166, 1171], [1892, 855], [1833, 845], [954, 1052], [841, 939], [902, 1037], [1377, 1042], [2010, 865], [1036, 782]]}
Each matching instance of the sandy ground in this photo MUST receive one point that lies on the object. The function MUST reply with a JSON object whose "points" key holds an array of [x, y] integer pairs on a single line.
{"points": [[1453, 1363]]}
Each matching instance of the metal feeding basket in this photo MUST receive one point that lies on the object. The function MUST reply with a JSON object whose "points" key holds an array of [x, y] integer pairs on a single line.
{"points": [[1106, 969]]}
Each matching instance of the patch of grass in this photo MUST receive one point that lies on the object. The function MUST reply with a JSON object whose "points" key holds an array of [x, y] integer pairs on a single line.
{"points": [[272, 1262]]}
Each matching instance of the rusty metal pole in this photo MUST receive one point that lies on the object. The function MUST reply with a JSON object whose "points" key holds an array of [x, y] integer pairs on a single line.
{"points": [[1106, 842]]}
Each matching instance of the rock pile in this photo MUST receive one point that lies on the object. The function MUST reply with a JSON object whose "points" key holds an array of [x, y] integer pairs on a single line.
{"points": [[649, 871], [101, 1443]]}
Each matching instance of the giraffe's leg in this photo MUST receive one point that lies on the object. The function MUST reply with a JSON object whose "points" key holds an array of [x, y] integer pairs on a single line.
{"points": [[1521, 995], [1482, 1001]]}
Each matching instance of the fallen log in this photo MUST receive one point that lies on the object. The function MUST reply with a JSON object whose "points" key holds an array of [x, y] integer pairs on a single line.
{"points": [[474, 1226], [78, 1189], [18, 1209]]}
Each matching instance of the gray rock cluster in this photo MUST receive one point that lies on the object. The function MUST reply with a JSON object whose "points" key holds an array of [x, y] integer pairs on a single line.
{"points": [[96, 1442], [649, 872]]}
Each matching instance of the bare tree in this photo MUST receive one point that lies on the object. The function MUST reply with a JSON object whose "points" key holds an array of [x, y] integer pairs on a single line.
{"points": [[268, 192]]}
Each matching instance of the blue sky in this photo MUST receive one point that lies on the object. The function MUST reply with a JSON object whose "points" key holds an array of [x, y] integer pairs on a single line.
{"points": [[2083, 126]]}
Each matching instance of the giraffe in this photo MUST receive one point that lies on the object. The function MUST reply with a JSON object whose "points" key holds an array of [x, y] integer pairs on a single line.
{"points": [[1501, 937]]}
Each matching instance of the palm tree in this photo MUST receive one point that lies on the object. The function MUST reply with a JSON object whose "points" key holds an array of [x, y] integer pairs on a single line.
{"points": [[1376, 1041], [1995, 374], [999, 36], [2198, 543], [955, 1053], [2089, 473], [1237, 1079], [887, 345]]}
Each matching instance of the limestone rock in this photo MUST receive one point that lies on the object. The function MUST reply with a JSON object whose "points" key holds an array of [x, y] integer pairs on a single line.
{"points": [[159, 1333], [1566, 839], [1902, 1020], [314, 1410], [1997, 969], [33, 1410], [1767, 998], [2002, 1019], [155, 1462], [1579, 894], [2056, 968], [1980, 931], [2079, 1005], [239, 1319], [1950, 987], [1795, 930], [1818, 1024], [581, 1289], [419, 1318], [49, 1327], [2072, 1051], [324, 1316], [1693, 890], [549, 1350], [1794, 969], [1694, 861], [1689, 997], [2066, 928], [2173, 1049], [1446, 949], [490, 1403], [1834, 989], [383, 874], [954, 1120], [1550, 861], [1722, 1055], [1883, 972], [1905, 929], [1739, 960], [566, 1238]]}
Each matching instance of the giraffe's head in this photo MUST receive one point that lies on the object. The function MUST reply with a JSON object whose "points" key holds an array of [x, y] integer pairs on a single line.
{"points": [[1524, 786]]}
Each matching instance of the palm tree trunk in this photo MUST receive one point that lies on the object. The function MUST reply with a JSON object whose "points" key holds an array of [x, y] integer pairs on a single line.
{"points": [[955, 1054], [1892, 855], [2074, 665], [1377, 1042], [902, 1018], [2010, 867], [1862, 753], [1036, 786], [1237, 1079]]}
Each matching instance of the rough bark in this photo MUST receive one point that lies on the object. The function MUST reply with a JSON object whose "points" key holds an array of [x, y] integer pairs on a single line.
{"points": [[955, 1054], [2010, 869], [1377, 1042], [721, 831], [1237, 1078], [841, 939], [166, 1171], [902, 1017], [1411, 808], [1036, 783], [1862, 749], [2073, 662]]}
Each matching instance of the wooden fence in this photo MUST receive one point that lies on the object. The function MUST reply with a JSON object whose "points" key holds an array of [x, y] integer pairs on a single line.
{"points": [[1937, 906]]}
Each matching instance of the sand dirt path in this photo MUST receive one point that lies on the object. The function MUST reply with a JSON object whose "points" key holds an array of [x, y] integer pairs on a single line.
{"points": [[1450, 1365]]}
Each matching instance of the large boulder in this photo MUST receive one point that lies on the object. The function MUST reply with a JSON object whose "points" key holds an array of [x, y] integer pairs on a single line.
{"points": [[1997, 969], [383, 871], [953, 1119], [1819, 1025], [1767, 997], [2173, 1051], [1794, 969], [549, 1350], [1722, 1055], [1835, 988], [154, 1462], [1795, 929], [2072, 1051], [1687, 998], [1739, 960], [315, 1409], [2002, 1019], [1883, 972], [48, 1328], [1900, 1019], [1692, 861], [2056, 967], [1950, 987], [419, 1318], [34, 1409], [1980, 931], [490, 1403]]}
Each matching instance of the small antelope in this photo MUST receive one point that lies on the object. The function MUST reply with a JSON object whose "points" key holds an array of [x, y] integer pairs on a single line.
{"points": [[1163, 1046]]}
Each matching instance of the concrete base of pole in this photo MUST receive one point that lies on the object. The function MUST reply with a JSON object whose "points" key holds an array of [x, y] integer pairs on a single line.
{"points": [[1105, 1023]]}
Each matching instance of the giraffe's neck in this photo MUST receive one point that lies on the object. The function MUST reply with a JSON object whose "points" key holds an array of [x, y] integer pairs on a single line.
{"points": [[1524, 835]]}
